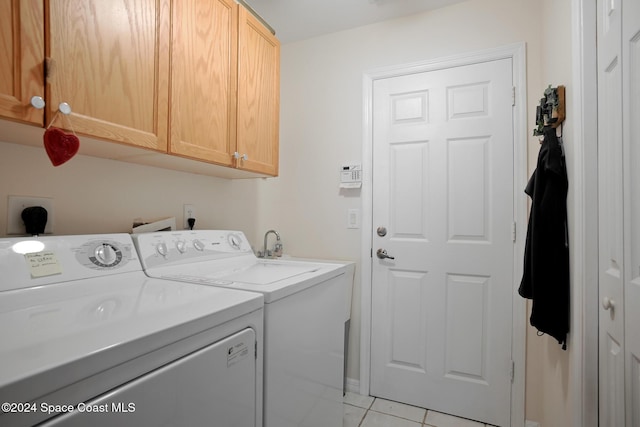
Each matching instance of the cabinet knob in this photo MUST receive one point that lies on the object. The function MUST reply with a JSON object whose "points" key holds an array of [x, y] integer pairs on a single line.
{"points": [[237, 156], [64, 108], [37, 102]]}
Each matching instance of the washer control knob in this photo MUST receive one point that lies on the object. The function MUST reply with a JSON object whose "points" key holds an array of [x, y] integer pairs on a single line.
{"points": [[181, 245], [161, 248], [235, 241], [198, 245]]}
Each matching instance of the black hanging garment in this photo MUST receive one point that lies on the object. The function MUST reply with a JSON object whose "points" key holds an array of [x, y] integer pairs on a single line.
{"points": [[546, 256]]}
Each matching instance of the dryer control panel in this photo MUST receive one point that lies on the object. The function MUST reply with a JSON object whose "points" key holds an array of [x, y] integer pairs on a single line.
{"points": [[36, 261]]}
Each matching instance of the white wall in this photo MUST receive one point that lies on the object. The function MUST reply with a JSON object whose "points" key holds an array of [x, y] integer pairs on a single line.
{"points": [[92, 195], [548, 398]]}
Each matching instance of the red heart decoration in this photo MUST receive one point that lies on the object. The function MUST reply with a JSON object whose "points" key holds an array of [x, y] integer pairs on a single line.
{"points": [[60, 146]]}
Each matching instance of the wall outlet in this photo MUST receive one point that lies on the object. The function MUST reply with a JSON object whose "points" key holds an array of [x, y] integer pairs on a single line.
{"points": [[15, 206], [189, 211]]}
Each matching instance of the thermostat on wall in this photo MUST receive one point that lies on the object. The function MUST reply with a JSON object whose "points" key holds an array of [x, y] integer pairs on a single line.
{"points": [[351, 176]]}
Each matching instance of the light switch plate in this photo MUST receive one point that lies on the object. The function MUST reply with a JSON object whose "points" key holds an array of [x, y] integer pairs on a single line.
{"points": [[15, 206], [353, 218]]}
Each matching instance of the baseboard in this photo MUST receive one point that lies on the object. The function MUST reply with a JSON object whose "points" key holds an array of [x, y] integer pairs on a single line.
{"points": [[353, 386], [528, 423]]}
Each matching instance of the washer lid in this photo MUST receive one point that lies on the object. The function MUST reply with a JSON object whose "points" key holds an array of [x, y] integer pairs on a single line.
{"points": [[90, 325]]}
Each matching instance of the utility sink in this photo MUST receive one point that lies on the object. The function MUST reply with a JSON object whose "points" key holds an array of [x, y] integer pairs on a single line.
{"points": [[267, 272]]}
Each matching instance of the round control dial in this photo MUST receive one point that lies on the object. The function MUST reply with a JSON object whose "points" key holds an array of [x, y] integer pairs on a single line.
{"points": [[106, 255], [181, 245], [198, 245], [162, 249], [234, 241]]}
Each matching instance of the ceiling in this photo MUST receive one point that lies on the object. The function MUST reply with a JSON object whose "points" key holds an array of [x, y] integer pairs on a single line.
{"points": [[295, 20]]}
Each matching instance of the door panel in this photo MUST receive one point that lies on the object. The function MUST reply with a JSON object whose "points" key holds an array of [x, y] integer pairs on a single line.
{"points": [[406, 298], [443, 186], [468, 191], [409, 187], [110, 63], [467, 328], [258, 96], [21, 59], [203, 80]]}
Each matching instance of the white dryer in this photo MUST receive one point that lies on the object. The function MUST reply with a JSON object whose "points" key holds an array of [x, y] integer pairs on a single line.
{"points": [[88, 339], [304, 316]]}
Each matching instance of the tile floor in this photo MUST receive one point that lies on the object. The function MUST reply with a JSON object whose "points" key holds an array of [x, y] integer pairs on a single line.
{"points": [[367, 411]]}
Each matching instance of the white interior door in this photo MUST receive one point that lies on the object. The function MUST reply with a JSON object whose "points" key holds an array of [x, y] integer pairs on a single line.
{"points": [[610, 215], [443, 174], [631, 138]]}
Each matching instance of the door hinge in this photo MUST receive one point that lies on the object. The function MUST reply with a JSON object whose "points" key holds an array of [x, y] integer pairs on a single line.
{"points": [[513, 232], [513, 370], [513, 96], [255, 349]]}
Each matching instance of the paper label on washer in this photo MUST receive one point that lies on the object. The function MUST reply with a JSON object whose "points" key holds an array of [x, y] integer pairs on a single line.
{"points": [[237, 353], [43, 264]]}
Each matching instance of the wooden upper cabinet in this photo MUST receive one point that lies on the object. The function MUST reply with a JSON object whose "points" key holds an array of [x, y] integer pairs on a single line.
{"points": [[109, 60], [198, 79], [21, 59], [258, 96], [203, 80]]}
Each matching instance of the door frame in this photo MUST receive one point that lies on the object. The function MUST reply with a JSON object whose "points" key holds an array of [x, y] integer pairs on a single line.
{"points": [[583, 341], [517, 53]]}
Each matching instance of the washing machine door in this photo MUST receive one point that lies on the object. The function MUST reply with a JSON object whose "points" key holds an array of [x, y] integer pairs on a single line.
{"points": [[215, 385]]}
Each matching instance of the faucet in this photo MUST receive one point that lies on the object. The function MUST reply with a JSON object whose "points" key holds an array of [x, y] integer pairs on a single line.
{"points": [[277, 248]]}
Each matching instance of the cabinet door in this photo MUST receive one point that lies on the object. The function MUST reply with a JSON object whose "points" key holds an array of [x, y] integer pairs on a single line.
{"points": [[258, 96], [203, 80], [21, 59], [109, 60]]}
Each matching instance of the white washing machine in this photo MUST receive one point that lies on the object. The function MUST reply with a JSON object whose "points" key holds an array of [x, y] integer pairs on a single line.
{"points": [[86, 338], [304, 316]]}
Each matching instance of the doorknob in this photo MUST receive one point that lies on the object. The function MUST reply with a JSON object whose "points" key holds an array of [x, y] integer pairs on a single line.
{"points": [[608, 303], [382, 231], [382, 254]]}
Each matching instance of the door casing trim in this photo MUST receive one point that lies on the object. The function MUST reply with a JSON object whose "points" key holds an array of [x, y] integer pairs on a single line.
{"points": [[516, 52], [583, 338]]}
